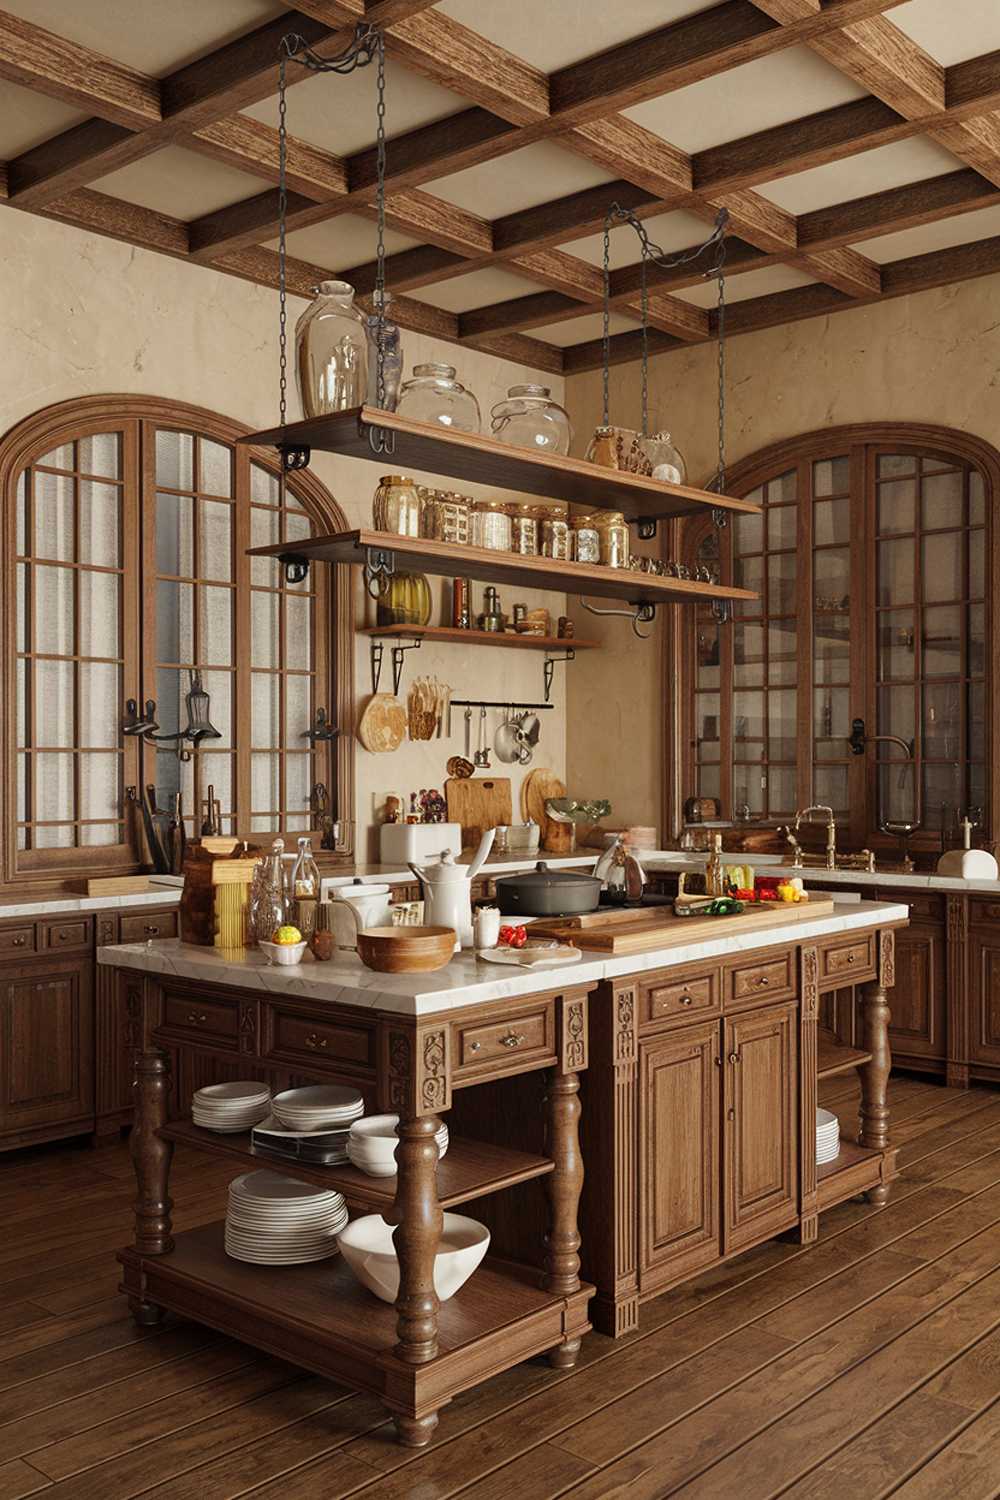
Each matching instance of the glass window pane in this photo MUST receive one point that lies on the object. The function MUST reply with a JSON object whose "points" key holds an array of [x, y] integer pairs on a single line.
{"points": [[100, 792], [100, 455], [781, 723], [298, 715], [941, 722], [100, 704], [832, 522], [21, 622], [264, 641], [748, 655], [943, 565], [895, 572], [977, 640], [264, 783], [830, 788], [784, 490], [298, 527], [21, 514], [707, 669], [54, 786], [100, 524], [265, 531], [977, 721], [21, 717], [942, 641], [298, 633], [171, 711], [93, 834], [215, 626], [749, 574], [781, 791], [219, 687], [58, 836], [264, 724], [977, 788], [896, 511], [832, 476], [832, 578], [832, 649], [59, 458], [173, 776], [217, 772], [706, 709], [174, 460], [782, 526], [748, 725], [174, 622], [216, 468], [831, 723], [54, 610], [892, 464], [942, 501], [54, 703], [175, 535], [216, 540], [99, 613], [749, 789], [781, 575], [23, 764], [977, 498], [53, 510], [896, 651], [298, 784], [708, 782], [263, 486], [896, 715], [943, 795], [748, 534], [977, 565], [782, 653]]}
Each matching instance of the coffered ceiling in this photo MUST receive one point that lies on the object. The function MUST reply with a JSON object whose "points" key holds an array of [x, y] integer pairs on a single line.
{"points": [[855, 144]]}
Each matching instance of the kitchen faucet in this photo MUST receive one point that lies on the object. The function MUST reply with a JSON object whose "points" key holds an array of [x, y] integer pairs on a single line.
{"points": [[831, 830]]}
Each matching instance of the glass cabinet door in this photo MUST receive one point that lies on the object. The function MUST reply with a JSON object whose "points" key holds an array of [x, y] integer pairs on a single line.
{"points": [[832, 605]]}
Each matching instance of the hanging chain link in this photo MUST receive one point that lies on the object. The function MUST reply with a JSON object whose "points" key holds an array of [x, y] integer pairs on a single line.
{"points": [[721, 516], [282, 239], [380, 225]]}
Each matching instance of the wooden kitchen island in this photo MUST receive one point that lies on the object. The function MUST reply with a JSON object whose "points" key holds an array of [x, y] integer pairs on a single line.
{"points": [[697, 1134]]}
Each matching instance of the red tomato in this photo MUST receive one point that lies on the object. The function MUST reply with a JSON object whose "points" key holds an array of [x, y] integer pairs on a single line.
{"points": [[506, 936], [519, 937]]}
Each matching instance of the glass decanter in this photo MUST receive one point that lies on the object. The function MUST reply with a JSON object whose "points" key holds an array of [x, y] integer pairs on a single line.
{"points": [[529, 418], [331, 352], [392, 358], [432, 394]]}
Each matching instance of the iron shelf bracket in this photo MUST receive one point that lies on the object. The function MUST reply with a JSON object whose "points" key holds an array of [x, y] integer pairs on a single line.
{"points": [[296, 569], [381, 441], [379, 565], [295, 457], [398, 653], [640, 612], [720, 516], [549, 668], [321, 729], [646, 527]]}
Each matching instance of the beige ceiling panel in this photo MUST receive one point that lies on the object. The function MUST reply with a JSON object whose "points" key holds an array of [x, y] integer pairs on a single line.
{"points": [[519, 180], [982, 224], [750, 284], [155, 37], [341, 242], [770, 91], [581, 330], [857, 176], [180, 183], [951, 30], [559, 33], [338, 113], [672, 232], [478, 289], [27, 119]]}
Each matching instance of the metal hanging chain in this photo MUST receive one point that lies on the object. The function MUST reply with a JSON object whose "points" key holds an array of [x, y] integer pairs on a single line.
{"points": [[721, 516]]}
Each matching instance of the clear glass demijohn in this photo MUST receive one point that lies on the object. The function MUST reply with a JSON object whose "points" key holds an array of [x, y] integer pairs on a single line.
{"points": [[331, 352], [529, 418], [432, 394]]}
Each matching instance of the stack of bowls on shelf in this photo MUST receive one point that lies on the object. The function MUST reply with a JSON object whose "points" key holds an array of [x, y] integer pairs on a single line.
{"points": [[319, 1106], [230, 1107], [279, 1221], [827, 1137], [373, 1141]]}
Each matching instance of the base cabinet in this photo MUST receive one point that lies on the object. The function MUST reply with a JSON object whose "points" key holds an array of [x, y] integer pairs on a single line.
{"points": [[918, 1030], [984, 996], [760, 1155], [46, 1049]]}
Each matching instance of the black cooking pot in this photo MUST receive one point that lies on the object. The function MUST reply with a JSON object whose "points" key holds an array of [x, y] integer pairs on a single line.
{"points": [[547, 893]]}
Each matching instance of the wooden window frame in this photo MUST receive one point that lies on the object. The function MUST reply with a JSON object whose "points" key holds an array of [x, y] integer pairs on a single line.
{"points": [[861, 441], [333, 607]]}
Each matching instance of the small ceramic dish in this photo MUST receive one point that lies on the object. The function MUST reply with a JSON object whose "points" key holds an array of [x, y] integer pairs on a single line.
{"points": [[283, 953]]}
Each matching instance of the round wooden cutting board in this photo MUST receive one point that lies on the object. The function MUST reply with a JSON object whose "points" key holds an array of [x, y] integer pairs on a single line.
{"points": [[536, 788], [382, 726]]}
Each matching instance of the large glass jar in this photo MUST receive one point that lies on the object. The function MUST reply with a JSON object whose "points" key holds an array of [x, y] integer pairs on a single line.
{"points": [[403, 599], [397, 505], [555, 541], [491, 526], [432, 394], [529, 418], [331, 352], [586, 540], [618, 448], [446, 516], [666, 461], [613, 532], [392, 358], [523, 529]]}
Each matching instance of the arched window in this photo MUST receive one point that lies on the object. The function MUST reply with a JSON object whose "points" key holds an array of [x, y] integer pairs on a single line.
{"points": [[874, 563], [128, 522]]}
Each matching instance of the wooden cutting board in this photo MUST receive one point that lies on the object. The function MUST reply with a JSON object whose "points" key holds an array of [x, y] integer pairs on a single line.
{"points": [[536, 788], [664, 929], [382, 726], [478, 803]]}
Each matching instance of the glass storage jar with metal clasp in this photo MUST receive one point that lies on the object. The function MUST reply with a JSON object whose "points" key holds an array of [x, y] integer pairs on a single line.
{"points": [[447, 516], [586, 540], [613, 532], [397, 506], [523, 529], [491, 526], [555, 533]]}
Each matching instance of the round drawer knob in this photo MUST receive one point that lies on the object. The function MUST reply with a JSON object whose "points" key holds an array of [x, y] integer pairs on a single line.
{"points": [[196, 1020], [151, 929], [686, 1000], [763, 981], [850, 958], [19, 942], [734, 1057], [474, 1046], [312, 1040]]}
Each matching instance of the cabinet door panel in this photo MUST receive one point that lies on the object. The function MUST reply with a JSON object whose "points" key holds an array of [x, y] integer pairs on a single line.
{"points": [[761, 1143], [984, 997], [918, 999], [46, 1046], [679, 1197]]}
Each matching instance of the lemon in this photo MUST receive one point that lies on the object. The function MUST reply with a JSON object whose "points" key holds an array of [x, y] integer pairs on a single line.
{"points": [[286, 935]]}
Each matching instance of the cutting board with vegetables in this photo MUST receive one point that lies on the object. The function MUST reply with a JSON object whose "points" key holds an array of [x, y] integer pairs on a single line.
{"points": [[478, 803], [658, 927]]}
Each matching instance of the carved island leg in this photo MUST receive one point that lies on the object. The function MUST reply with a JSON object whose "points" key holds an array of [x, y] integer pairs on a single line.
{"points": [[151, 1157], [565, 1183], [875, 1017], [807, 1230], [419, 1220]]}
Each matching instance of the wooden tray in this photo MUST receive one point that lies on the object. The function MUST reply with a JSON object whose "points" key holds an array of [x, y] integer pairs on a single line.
{"points": [[657, 927]]}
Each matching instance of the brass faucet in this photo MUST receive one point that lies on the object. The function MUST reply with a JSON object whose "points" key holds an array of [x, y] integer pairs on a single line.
{"points": [[831, 830], [794, 845]]}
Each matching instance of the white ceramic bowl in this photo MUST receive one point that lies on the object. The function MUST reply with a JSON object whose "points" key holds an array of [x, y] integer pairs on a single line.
{"points": [[366, 1245], [284, 953]]}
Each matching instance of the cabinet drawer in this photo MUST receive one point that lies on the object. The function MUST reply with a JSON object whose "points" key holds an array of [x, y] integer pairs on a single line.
{"points": [[767, 979], [682, 998], [136, 929], [495, 1045], [67, 936], [848, 961], [17, 939], [296, 1036], [984, 913], [924, 907], [216, 1021]]}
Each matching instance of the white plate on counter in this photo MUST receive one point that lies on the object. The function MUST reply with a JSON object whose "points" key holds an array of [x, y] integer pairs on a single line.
{"points": [[529, 958]]}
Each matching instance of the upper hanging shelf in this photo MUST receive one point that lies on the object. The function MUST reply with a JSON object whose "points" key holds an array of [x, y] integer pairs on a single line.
{"points": [[483, 460]]}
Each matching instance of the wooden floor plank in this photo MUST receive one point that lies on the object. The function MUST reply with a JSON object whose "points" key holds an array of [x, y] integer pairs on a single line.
{"points": [[966, 1470], [18, 1478]]}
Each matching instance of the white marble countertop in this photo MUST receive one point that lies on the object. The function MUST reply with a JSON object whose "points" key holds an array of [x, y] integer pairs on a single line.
{"points": [[466, 980], [42, 906], [669, 862]]}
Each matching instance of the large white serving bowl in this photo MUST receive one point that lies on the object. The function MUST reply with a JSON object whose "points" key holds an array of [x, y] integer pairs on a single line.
{"points": [[366, 1245]]}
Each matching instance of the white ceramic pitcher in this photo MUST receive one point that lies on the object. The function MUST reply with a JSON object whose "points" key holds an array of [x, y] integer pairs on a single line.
{"points": [[447, 890], [356, 907]]}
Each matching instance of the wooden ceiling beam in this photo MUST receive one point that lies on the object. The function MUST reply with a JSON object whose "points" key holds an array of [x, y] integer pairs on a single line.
{"points": [[74, 74], [896, 208]]}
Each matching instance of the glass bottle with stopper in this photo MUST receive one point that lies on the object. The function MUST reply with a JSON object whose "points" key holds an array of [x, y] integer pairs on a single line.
{"points": [[304, 888]]}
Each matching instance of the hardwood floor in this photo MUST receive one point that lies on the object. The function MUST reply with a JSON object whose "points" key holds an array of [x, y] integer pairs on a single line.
{"points": [[868, 1364]]}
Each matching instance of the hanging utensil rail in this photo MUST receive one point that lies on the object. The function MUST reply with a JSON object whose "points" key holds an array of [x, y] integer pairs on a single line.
{"points": [[504, 703]]}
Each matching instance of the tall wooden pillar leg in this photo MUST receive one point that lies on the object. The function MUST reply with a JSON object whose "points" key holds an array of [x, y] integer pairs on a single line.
{"points": [[151, 1157], [874, 1114], [565, 1184], [419, 1220]]}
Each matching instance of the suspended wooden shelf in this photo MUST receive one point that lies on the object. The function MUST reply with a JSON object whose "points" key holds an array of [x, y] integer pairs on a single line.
{"points": [[374, 549], [480, 637], [483, 460]]}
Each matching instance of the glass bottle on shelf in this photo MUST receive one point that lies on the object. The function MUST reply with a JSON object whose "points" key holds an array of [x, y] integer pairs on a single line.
{"points": [[530, 418], [331, 352], [715, 882], [432, 394], [392, 358], [273, 906]]}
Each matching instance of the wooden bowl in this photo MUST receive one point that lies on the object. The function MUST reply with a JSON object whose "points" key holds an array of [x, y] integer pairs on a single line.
{"points": [[406, 950]]}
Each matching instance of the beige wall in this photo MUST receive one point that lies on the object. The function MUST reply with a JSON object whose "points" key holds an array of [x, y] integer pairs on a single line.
{"points": [[932, 357], [83, 315]]}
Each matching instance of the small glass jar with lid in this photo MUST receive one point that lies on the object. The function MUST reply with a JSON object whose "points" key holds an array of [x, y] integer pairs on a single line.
{"points": [[432, 394], [491, 526], [398, 505], [613, 533], [586, 540], [523, 529], [446, 516], [556, 533]]}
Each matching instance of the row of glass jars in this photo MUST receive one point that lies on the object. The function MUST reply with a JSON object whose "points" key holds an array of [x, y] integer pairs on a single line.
{"points": [[405, 508]]}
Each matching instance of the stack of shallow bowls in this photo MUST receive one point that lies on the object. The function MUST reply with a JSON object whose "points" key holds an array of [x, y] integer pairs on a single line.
{"points": [[279, 1221], [827, 1137], [373, 1141], [320, 1106], [230, 1107]]}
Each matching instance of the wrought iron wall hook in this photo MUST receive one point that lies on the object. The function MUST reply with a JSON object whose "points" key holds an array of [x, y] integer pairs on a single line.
{"points": [[398, 654], [549, 668], [379, 565], [321, 728], [641, 613]]}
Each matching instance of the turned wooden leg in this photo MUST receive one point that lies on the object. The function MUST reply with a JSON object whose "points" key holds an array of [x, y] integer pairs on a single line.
{"points": [[417, 1216], [415, 1432], [874, 1114], [564, 1185], [151, 1157]]}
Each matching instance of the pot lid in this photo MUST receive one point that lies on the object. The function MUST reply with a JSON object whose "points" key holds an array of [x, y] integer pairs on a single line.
{"points": [[541, 878]]}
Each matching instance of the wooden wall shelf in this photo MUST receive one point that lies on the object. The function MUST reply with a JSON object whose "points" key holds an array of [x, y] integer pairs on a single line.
{"points": [[483, 460], [479, 637], [353, 547]]}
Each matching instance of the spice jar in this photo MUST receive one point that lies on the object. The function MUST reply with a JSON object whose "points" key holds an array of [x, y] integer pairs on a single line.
{"points": [[613, 533], [523, 530], [397, 505], [586, 540], [491, 526], [555, 533]]}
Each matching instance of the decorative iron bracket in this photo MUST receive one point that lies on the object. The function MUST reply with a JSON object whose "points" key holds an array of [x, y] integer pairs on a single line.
{"points": [[381, 441], [720, 516], [296, 569], [379, 564], [136, 724], [722, 610], [646, 527], [322, 729], [641, 612], [295, 457], [548, 670], [398, 653]]}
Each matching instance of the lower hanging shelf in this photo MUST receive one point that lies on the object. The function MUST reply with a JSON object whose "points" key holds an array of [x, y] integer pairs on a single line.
{"points": [[855, 1169], [318, 1316]]}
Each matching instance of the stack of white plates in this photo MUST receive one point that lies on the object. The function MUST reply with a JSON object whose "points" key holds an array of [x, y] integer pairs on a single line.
{"points": [[278, 1221], [320, 1106], [229, 1107], [372, 1144], [827, 1137]]}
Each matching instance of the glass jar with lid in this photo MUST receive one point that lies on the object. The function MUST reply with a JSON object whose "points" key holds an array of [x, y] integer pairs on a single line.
{"points": [[613, 533], [432, 394], [491, 526], [555, 533], [586, 540], [397, 506], [447, 516], [523, 529], [530, 418], [331, 352]]}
